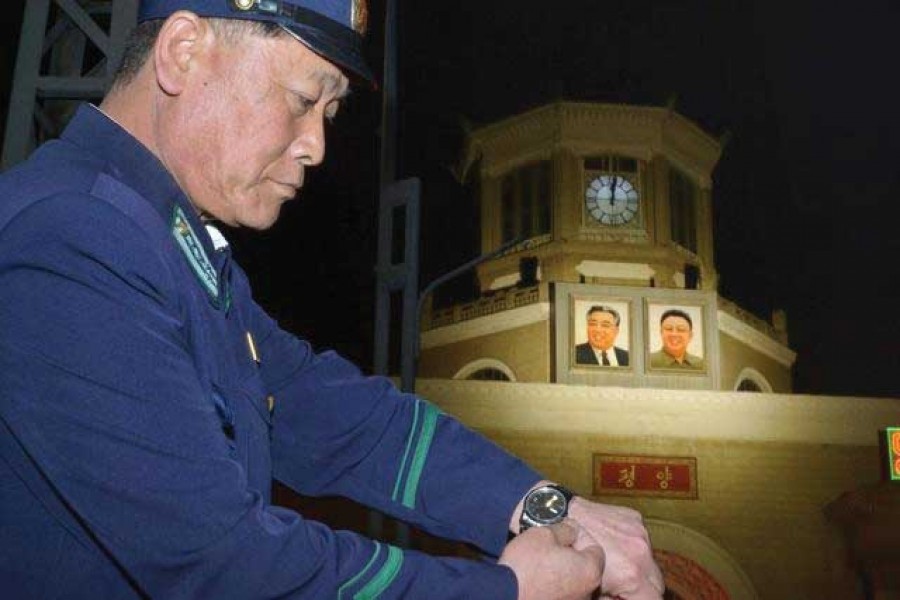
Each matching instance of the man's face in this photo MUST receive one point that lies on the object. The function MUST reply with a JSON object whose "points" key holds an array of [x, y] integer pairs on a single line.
{"points": [[601, 330], [254, 123], [676, 335]]}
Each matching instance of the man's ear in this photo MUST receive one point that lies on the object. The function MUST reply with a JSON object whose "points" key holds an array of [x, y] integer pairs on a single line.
{"points": [[181, 40]]}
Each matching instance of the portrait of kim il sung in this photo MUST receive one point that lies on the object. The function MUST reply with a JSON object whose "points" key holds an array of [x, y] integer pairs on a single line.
{"points": [[601, 334]]}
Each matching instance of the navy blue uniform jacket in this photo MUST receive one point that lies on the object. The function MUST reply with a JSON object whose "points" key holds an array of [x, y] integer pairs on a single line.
{"points": [[137, 445]]}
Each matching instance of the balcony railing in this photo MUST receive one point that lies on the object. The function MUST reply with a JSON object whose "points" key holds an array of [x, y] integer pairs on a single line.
{"points": [[752, 320], [497, 302]]}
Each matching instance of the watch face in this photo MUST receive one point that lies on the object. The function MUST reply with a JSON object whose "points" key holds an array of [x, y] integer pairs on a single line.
{"points": [[611, 199], [546, 505]]}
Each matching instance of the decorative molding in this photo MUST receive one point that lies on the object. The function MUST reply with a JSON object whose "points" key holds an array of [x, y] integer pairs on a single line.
{"points": [[505, 281], [594, 127], [595, 233], [746, 334], [487, 325], [641, 149], [615, 270]]}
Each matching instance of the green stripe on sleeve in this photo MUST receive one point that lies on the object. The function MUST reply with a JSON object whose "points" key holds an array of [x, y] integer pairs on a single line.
{"points": [[409, 442], [357, 577], [429, 424], [384, 577]]}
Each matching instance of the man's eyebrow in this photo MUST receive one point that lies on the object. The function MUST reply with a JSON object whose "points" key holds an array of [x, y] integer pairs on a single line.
{"points": [[333, 83]]}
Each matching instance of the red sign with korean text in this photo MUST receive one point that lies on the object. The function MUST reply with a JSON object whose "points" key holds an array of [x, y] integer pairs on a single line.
{"points": [[673, 477]]}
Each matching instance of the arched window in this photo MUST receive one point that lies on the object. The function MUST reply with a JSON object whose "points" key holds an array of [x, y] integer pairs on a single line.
{"points": [[748, 385], [486, 369], [489, 375], [751, 380]]}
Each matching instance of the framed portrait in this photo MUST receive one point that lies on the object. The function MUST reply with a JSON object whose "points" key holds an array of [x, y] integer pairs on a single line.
{"points": [[676, 338], [582, 332], [601, 332]]}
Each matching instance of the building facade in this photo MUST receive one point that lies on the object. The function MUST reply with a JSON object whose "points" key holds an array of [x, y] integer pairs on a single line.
{"points": [[611, 206], [601, 352]]}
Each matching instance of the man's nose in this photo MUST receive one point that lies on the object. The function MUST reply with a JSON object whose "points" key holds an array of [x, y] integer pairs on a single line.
{"points": [[308, 146]]}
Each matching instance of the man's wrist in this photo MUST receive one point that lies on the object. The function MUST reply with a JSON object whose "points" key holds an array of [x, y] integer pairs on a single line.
{"points": [[577, 507]]}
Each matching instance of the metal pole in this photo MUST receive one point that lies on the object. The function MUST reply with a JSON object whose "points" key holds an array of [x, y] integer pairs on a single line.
{"points": [[388, 173], [389, 97]]}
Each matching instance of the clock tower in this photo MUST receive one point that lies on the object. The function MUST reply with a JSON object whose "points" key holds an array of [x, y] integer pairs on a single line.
{"points": [[612, 207], [601, 193]]}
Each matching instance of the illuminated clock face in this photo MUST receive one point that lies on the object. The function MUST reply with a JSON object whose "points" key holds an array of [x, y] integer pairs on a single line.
{"points": [[611, 200]]}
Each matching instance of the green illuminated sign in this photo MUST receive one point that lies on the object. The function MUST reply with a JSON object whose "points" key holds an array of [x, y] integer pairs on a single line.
{"points": [[893, 453]]}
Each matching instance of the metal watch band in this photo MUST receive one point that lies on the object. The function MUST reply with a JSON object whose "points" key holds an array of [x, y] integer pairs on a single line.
{"points": [[526, 522]]}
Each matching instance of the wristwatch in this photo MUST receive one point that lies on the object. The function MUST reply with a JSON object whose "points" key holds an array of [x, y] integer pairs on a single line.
{"points": [[545, 505]]}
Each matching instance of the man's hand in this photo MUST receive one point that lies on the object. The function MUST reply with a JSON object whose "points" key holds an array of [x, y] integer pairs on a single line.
{"points": [[548, 566], [630, 572]]}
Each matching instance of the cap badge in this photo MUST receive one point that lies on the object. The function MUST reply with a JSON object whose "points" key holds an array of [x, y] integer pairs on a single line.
{"points": [[243, 4], [360, 16]]}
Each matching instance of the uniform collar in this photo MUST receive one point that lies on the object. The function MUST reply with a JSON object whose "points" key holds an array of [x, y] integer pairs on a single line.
{"points": [[129, 161]]}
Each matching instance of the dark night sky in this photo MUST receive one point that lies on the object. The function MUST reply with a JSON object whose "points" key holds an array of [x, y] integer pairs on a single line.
{"points": [[805, 191]]}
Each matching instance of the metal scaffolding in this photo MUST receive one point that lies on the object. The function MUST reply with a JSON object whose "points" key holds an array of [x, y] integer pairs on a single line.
{"points": [[68, 51]]}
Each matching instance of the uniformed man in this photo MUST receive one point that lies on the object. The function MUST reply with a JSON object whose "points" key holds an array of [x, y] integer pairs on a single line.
{"points": [[138, 377]]}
